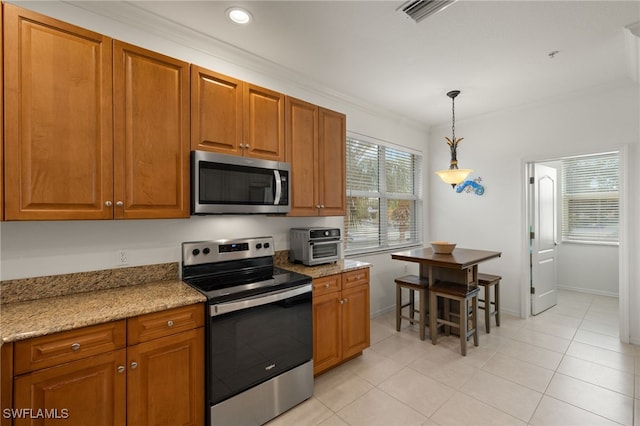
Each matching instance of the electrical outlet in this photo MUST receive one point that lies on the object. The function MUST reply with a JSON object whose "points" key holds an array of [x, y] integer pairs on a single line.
{"points": [[122, 257]]}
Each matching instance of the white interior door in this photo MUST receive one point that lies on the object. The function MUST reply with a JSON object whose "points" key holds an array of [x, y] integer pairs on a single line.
{"points": [[544, 293]]}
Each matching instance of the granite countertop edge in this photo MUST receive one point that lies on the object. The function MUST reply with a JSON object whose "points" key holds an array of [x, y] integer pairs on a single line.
{"points": [[319, 271], [40, 317]]}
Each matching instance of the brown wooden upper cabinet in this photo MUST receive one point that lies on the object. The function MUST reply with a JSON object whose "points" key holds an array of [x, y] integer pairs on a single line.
{"points": [[315, 143], [63, 159], [151, 122], [234, 117], [1, 120]]}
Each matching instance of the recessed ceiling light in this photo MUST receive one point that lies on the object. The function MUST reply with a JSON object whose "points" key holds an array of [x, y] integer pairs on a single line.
{"points": [[239, 15]]}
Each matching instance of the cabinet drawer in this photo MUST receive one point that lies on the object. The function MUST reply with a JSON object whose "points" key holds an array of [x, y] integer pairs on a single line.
{"points": [[328, 284], [58, 348], [159, 324], [354, 278]]}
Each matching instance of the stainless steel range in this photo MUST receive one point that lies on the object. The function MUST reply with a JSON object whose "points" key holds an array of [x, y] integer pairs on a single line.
{"points": [[259, 343]]}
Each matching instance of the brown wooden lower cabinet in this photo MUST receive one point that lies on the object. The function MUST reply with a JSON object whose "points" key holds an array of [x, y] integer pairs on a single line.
{"points": [[90, 389], [340, 318], [159, 380], [166, 387]]}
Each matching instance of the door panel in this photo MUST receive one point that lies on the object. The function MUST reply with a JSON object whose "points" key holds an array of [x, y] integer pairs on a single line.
{"points": [[58, 99], [543, 245], [152, 128]]}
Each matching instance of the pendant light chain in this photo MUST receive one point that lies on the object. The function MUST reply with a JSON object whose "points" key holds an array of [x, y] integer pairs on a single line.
{"points": [[453, 123]]}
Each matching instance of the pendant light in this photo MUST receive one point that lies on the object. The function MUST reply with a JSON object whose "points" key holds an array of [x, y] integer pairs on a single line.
{"points": [[453, 175]]}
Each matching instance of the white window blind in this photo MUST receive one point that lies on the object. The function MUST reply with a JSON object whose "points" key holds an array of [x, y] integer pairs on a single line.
{"points": [[590, 199], [383, 197]]}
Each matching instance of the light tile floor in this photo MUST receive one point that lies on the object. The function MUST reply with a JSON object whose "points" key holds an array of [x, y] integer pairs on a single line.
{"points": [[565, 366]]}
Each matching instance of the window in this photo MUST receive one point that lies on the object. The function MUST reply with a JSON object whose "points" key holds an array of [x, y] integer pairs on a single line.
{"points": [[384, 205], [590, 200]]}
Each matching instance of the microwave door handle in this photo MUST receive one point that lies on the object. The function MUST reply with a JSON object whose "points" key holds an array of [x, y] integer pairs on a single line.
{"points": [[278, 194]]}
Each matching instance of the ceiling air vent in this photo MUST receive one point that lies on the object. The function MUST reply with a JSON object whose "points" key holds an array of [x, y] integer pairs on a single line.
{"points": [[421, 9]]}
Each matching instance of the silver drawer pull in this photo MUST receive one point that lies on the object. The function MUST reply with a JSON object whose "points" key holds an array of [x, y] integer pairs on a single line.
{"points": [[75, 346], [170, 323], [121, 369], [134, 365], [270, 367], [327, 285]]}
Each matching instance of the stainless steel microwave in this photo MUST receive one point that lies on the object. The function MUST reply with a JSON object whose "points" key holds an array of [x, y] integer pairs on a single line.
{"points": [[228, 184]]}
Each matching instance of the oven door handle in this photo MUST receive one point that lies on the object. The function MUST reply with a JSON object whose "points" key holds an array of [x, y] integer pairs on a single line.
{"points": [[251, 302]]}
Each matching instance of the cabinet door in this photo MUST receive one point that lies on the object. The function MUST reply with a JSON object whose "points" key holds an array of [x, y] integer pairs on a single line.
{"points": [[301, 141], [151, 152], [1, 123], [327, 331], [355, 320], [89, 390], [166, 385], [332, 163], [263, 132], [6, 380], [58, 111], [216, 112]]}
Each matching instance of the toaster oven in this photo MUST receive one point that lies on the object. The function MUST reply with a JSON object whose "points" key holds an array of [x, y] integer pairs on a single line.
{"points": [[315, 246]]}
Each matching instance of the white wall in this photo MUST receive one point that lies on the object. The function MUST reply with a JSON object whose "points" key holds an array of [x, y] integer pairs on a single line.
{"points": [[497, 146], [588, 268], [30, 249]]}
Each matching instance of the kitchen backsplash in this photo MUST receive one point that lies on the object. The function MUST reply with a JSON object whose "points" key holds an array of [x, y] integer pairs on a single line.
{"points": [[21, 290]]}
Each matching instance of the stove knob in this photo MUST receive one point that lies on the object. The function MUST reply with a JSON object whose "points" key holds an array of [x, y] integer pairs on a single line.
{"points": [[195, 252], [326, 233], [258, 246], [207, 250], [266, 245]]}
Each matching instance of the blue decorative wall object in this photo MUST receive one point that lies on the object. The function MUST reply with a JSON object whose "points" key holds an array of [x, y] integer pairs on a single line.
{"points": [[471, 186]]}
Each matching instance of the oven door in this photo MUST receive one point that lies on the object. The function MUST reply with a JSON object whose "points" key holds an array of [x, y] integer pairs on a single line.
{"points": [[324, 251], [254, 339]]}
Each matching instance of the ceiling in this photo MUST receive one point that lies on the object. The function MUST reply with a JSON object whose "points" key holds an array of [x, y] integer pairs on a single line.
{"points": [[495, 52]]}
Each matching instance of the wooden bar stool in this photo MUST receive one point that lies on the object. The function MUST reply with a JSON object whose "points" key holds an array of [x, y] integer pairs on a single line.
{"points": [[414, 284], [487, 281], [467, 324]]}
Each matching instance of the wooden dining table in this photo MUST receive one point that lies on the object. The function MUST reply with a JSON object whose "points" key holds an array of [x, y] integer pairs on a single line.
{"points": [[460, 267]]}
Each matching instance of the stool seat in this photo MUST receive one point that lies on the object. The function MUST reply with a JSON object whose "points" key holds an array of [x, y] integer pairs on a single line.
{"points": [[467, 324], [414, 284], [487, 281]]}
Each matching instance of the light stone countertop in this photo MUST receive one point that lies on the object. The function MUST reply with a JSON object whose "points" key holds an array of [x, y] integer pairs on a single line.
{"points": [[319, 271], [32, 318]]}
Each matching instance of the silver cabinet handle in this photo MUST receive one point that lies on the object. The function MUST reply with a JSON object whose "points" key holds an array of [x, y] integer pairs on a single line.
{"points": [[121, 369], [327, 285], [134, 365], [119, 204], [322, 206], [170, 323], [75, 346], [317, 206], [342, 301], [241, 146], [108, 203]]}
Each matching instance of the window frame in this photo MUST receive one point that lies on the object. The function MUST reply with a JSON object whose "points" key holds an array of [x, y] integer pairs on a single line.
{"points": [[384, 197], [597, 197]]}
